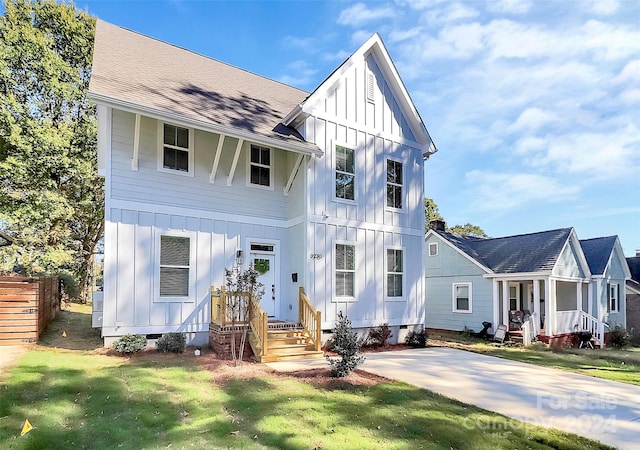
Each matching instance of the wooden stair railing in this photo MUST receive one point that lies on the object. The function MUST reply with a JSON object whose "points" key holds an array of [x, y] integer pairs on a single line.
{"points": [[309, 318], [259, 324]]}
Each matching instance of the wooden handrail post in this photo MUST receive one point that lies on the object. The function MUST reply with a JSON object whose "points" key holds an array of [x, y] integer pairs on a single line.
{"points": [[211, 301]]}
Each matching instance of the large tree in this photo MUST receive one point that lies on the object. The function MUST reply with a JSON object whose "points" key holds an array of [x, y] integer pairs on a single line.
{"points": [[431, 212], [51, 198]]}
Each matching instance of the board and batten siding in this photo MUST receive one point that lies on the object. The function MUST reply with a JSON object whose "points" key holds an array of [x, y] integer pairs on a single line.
{"points": [[375, 130], [149, 185], [441, 272], [130, 270]]}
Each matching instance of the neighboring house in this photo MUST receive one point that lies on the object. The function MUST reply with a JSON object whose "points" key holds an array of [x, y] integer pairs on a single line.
{"points": [[633, 296], [542, 278], [207, 166]]}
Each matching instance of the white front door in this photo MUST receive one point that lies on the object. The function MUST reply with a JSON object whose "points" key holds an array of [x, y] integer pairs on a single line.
{"points": [[265, 265]]}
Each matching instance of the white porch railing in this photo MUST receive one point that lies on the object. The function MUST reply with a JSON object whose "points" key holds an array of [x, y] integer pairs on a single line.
{"points": [[575, 321], [529, 330]]}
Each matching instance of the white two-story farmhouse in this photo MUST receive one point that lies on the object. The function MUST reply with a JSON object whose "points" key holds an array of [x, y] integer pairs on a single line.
{"points": [[207, 166]]}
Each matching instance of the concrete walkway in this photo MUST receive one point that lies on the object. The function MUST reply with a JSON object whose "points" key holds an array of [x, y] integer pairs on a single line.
{"points": [[603, 410]]}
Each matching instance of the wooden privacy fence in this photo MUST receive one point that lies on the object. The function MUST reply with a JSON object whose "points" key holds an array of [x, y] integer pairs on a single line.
{"points": [[27, 307]]}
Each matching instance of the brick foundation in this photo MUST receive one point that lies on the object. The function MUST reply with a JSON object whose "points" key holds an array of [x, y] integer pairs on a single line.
{"points": [[220, 341]]}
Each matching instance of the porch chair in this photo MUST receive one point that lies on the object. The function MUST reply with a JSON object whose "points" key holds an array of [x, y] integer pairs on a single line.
{"points": [[516, 319]]}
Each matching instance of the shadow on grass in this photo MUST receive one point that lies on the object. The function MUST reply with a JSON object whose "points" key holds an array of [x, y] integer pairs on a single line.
{"points": [[74, 321]]}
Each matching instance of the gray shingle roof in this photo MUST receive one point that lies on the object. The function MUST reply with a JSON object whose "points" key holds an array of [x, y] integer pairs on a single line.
{"points": [[634, 267], [522, 253], [139, 70], [598, 251]]}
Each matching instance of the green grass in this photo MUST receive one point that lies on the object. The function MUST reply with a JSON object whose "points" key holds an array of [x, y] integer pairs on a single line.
{"points": [[610, 364], [80, 400], [77, 398]]}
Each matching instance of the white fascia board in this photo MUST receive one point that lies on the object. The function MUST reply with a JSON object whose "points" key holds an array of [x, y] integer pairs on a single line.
{"points": [[442, 239], [188, 122], [617, 249], [582, 260], [521, 275]]}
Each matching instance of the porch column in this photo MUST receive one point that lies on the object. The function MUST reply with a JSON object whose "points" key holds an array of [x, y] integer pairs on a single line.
{"points": [[547, 307], [590, 299], [505, 303], [579, 295], [536, 303], [496, 304], [552, 307]]}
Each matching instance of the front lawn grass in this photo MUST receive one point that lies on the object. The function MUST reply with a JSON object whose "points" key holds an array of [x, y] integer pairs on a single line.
{"points": [[75, 399], [607, 363]]}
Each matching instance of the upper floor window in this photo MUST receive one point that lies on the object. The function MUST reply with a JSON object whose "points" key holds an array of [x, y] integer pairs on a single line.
{"points": [[345, 173], [175, 152], [433, 249], [345, 270], [260, 166], [176, 148], [394, 184], [395, 272]]}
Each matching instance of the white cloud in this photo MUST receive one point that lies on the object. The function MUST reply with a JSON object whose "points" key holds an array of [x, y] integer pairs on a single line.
{"points": [[299, 73], [402, 35], [629, 74], [605, 7], [532, 119], [509, 6], [360, 14], [505, 191]]}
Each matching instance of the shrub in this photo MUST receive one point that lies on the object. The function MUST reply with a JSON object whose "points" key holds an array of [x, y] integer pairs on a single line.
{"points": [[171, 343], [620, 337], [378, 336], [347, 345], [416, 339], [130, 343]]}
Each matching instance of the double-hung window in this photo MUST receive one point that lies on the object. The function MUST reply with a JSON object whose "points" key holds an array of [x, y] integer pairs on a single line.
{"points": [[394, 184], [395, 272], [345, 173], [175, 266], [613, 298], [260, 166], [176, 148], [345, 270], [462, 298]]}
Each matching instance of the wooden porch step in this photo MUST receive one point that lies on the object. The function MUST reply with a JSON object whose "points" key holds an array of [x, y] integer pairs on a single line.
{"points": [[300, 355]]}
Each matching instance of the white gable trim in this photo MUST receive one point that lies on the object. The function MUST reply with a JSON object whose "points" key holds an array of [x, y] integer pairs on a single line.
{"points": [[374, 47], [442, 239], [582, 260], [617, 250], [187, 122]]}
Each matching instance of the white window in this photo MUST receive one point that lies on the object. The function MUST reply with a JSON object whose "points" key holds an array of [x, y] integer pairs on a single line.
{"points": [[175, 266], [395, 273], [345, 270], [462, 298], [394, 184], [175, 149], [613, 298], [433, 249], [260, 170], [345, 173]]}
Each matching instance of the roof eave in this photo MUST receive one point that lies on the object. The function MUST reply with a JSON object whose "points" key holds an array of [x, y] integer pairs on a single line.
{"points": [[308, 149]]}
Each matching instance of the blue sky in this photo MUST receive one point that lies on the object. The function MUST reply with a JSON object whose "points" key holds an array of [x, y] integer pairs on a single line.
{"points": [[533, 105]]}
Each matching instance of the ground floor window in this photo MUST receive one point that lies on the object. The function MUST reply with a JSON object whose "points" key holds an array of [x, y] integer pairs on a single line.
{"points": [[175, 257], [395, 272], [462, 298], [613, 297], [345, 270]]}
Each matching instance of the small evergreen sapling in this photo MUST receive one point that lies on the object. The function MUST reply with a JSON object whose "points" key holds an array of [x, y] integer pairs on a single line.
{"points": [[347, 345]]}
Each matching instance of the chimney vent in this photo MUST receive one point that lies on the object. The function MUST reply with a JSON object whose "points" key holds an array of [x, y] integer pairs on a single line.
{"points": [[437, 225]]}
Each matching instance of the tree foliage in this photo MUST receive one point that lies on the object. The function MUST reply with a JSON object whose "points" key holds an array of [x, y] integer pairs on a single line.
{"points": [[431, 212], [51, 198]]}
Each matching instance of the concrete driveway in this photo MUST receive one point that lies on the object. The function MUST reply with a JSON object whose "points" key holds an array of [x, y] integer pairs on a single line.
{"points": [[603, 410]]}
